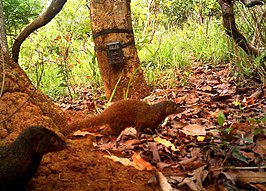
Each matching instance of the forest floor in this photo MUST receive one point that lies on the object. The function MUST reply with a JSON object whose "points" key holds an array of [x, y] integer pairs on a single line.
{"points": [[217, 143]]}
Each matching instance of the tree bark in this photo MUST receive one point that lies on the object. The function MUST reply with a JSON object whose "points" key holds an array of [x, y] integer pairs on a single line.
{"points": [[21, 104], [231, 29], [127, 79], [54, 8], [3, 39]]}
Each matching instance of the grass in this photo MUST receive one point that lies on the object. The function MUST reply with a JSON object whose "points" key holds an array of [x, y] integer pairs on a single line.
{"points": [[175, 48], [180, 48]]}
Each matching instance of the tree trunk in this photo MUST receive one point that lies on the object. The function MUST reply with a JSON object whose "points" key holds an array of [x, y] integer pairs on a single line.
{"points": [[21, 104], [3, 40], [125, 79], [231, 29]]}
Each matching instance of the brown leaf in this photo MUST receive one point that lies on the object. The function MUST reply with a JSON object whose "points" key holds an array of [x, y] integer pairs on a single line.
{"points": [[162, 165], [177, 178], [223, 88], [188, 160], [165, 186], [195, 181], [242, 126], [194, 130], [124, 161], [178, 124], [180, 100], [248, 177], [128, 132], [249, 155], [196, 109], [81, 133], [259, 187], [230, 176], [248, 101], [131, 142], [257, 94], [221, 97], [260, 147], [155, 152], [191, 99], [206, 88], [214, 114], [140, 162]]}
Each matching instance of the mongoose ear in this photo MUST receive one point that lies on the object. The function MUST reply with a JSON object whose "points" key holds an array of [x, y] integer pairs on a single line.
{"points": [[37, 138], [170, 109], [180, 109]]}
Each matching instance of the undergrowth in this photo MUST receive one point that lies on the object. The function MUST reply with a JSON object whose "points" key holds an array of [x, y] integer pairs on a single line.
{"points": [[181, 48], [60, 56]]}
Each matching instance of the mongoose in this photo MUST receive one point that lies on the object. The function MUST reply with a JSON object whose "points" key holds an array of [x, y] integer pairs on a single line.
{"points": [[20, 160], [126, 113]]}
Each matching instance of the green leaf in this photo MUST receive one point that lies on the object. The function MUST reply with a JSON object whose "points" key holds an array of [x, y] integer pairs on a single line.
{"points": [[63, 85], [236, 103], [239, 156], [248, 140], [227, 130], [221, 118]]}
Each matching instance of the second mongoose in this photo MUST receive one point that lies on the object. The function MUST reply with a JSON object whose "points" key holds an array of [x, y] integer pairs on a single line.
{"points": [[126, 113], [20, 160]]}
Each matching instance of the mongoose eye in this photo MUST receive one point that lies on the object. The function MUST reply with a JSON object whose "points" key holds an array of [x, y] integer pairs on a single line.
{"points": [[52, 140]]}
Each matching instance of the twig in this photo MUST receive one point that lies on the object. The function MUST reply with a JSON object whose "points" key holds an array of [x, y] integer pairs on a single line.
{"points": [[241, 168], [4, 74]]}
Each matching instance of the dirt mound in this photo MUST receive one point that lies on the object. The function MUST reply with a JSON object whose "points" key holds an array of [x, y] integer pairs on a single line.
{"points": [[81, 168]]}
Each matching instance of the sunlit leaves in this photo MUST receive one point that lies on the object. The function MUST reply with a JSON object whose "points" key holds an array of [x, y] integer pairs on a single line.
{"points": [[221, 118], [18, 13]]}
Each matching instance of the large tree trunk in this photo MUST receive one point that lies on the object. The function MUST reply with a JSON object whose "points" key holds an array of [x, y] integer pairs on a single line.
{"points": [[125, 79], [21, 104]]}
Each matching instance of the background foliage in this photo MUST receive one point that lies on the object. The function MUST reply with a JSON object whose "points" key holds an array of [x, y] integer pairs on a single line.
{"points": [[170, 35], [18, 13]]}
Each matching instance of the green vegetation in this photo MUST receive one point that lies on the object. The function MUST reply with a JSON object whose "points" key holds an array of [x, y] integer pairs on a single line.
{"points": [[18, 13], [60, 56], [62, 53]]}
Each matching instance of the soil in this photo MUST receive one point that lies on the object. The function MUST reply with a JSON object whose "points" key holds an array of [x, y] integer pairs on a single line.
{"points": [[81, 168]]}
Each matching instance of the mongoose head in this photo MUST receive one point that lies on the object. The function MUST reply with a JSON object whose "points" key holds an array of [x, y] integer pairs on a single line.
{"points": [[43, 140], [171, 107]]}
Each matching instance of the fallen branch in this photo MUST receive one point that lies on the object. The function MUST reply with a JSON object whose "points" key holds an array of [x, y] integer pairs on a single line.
{"points": [[240, 168]]}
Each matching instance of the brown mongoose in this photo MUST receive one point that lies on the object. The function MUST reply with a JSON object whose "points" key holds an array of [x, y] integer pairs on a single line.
{"points": [[126, 113], [20, 160]]}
